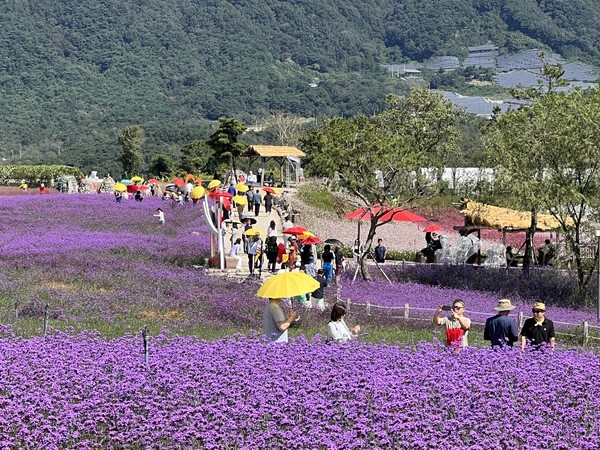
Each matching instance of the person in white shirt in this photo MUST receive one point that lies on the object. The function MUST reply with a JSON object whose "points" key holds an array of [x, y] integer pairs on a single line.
{"points": [[235, 253], [161, 216], [337, 330]]}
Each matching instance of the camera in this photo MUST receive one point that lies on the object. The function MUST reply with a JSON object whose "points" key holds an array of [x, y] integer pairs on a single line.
{"points": [[446, 308]]}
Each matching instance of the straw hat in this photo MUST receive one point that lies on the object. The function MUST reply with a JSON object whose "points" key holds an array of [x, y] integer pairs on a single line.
{"points": [[504, 305], [539, 305]]}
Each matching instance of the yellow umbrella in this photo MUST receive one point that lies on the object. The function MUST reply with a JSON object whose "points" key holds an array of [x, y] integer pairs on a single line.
{"points": [[288, 284], [137, 179], [240, 199], [120, 187], [305, 235], [213, 184], [252, 231], [241, 187], [23, 186], [197, 192]]}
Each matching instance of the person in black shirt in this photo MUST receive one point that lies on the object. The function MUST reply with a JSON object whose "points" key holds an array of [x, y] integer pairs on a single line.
{"points": [[380, 251], [327, 257], [537, 329]]}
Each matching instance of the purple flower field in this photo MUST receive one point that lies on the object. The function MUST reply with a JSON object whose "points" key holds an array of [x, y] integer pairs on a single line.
{"points": [[86, 392], [109, 268]]}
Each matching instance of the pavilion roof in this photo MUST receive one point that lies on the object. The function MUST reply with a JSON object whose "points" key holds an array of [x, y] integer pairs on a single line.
{"points": [[273, 151]]}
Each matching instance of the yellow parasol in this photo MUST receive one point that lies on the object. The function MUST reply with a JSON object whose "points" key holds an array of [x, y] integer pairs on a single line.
{"points": [[288, 284], [305, 235], [120, 187], [240, 199], [23, 186], [197, 193], [213, 184], [252, 231], [241, 187], [137, 179]]}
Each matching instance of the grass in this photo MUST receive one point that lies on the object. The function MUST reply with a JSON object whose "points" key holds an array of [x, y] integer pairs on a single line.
{"points": [[319, 196]]}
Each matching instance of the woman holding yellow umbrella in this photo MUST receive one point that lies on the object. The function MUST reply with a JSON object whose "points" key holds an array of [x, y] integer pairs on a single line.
{"points": [[197, 194], [240, 201]]}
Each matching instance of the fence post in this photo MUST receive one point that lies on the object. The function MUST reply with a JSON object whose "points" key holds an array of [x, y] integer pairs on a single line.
{"points": [[406, 308], [520, 319], [348, 305], [586, 332], [368, 308], [145, 339], [45, 327]]}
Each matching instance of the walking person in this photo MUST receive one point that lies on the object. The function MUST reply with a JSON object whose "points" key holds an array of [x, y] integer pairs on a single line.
{"points": [[253, 250], [271, 250], [161, 216], [256, 201], [456, 324], [327, 258], [538, 330], [500, 329], [268, 202], [317, 299]]}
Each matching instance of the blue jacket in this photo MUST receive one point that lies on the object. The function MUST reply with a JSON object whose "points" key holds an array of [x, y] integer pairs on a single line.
{"points": [[501, 330]]}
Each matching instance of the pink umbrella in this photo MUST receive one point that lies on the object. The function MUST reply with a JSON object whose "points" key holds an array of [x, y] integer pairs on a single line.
{"points": [[178, 182], [143, 188]]}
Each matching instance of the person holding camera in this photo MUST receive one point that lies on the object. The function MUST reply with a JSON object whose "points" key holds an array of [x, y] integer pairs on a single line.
{"points": [[457, 325]]}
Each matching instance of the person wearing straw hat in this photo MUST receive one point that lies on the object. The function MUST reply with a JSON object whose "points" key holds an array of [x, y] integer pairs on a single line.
{"points": [[538, 330], [500, 329], [275, 325]]}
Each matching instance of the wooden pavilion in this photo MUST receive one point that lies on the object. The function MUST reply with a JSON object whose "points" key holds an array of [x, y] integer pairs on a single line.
{"points": [[288, 159]]}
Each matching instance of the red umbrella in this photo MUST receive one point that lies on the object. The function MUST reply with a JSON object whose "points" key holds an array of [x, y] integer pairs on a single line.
{"points": [[401, 215], [143, 188], [220, 194], [312, 240], [295, 230], [432, 228], [153, 181], [362, 213], [178, 182], [390, 214], [270, 190], [132, 188]]}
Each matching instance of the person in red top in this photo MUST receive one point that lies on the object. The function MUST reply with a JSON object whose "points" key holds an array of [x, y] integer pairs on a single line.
{"points": [[456, 324], [42, 188]]}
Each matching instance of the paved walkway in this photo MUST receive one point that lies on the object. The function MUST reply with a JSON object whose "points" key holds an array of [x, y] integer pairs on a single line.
{"points": [[262, 223]]}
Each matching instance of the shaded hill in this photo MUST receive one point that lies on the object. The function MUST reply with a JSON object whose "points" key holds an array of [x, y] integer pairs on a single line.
{"points": [[72, 73]]}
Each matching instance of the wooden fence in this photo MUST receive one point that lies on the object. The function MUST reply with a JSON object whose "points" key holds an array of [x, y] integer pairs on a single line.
{"points": [[404, 313]]}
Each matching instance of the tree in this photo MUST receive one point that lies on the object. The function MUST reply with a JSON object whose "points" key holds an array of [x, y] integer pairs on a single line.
{"points": [[131, 140], [548, 158], [408, 135], [196, 157], [225, 143], [286, 128], [161, 166]]}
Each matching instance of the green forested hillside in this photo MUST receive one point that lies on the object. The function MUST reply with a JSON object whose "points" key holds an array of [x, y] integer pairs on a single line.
{"points": [[75, 72]]}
